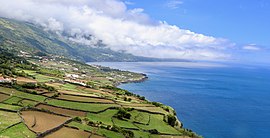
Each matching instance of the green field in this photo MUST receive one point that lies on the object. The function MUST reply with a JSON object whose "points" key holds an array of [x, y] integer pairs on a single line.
{"points": [[109, 134], [140, 134], [7, 119], [13, 100], [81, 106], [27, 103], [10, 107], [17, 131], [69, 86], [81, 126], [95, 130], [156, 122], [23, 95], [124, 124], [40, 77], [104, 117], [140, 117]]}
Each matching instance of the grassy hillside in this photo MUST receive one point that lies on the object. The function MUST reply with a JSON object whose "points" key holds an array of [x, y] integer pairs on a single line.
{"points": [[58, 97], [19, 36]]}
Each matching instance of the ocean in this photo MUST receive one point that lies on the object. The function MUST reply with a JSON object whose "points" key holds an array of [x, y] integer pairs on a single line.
{"points": [[216, 100]]}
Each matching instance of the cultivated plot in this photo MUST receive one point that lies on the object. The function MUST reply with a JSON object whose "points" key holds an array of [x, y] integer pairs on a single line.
{"points": [[40, 122]]}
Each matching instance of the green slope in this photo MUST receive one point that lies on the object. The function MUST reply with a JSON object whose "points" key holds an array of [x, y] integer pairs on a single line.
{"points": [[19, 36]]}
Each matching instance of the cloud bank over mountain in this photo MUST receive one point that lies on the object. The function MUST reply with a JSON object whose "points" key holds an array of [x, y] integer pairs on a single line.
{"points": [[120, 28]]}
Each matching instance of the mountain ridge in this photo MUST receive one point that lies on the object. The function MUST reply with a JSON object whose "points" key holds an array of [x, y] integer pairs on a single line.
{"points": [[23, 36]]}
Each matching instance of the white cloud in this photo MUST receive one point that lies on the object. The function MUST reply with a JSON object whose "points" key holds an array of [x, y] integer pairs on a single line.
{"points": [[118, 27], [252, 47], [174, 4], [129, 2]]}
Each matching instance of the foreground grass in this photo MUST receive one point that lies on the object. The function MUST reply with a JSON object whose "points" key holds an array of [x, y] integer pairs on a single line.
{"points": [[7, 119], [18, 131]]}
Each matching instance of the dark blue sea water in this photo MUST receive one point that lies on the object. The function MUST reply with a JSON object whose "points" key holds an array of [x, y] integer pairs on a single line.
{"points": [[215, 101]]}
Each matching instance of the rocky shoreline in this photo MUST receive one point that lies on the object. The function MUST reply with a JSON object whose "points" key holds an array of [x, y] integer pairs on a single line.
{"points": [[144, 78]]}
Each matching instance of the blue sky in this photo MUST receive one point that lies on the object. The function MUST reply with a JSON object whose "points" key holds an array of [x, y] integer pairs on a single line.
{"points": [[240, 21]]}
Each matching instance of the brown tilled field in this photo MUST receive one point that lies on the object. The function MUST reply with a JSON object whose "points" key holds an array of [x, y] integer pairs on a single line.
{"points": [[56, 85], [83, 99], [25, 80], [3, 97], [66, 132], [40, 121], [49, 94], [136, 105], [77, 93], [62, 111]]}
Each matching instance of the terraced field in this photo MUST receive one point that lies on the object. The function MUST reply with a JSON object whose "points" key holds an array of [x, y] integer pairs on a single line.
{"points": [[62, 111], [40, 122], [81, 106], [66, 132], [85, 99], [11, 108], [76, 111], [3, 97], [17, 131], [8, 119]]}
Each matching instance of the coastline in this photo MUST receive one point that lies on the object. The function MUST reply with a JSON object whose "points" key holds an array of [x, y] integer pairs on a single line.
{"points": [[141, 80], [144, 78], [180, 124]]}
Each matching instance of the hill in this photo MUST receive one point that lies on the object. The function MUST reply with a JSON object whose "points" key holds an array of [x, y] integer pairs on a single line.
{"points": [[17, 36]]}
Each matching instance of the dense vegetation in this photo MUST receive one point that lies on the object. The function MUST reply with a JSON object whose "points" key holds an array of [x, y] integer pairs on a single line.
{"points": [[9, 62]]}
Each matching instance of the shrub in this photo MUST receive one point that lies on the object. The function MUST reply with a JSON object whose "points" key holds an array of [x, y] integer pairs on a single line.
{"points": [[78, 119], [153, 131], [123, 114], [115, 128], [128, 133], [157, 104], [171, 120], [29, 85], [141, 97]]}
